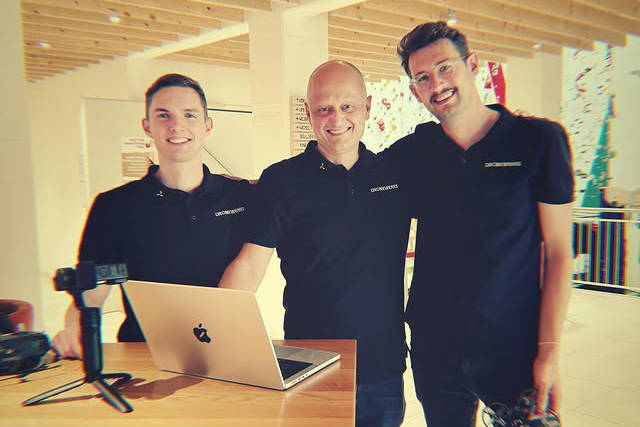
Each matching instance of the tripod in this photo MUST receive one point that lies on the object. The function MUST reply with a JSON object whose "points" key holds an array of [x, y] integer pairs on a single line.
{"points": [[91, 360]]}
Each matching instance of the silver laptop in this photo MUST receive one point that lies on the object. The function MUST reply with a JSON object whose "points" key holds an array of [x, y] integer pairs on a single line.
{"points": [[217, 333]]}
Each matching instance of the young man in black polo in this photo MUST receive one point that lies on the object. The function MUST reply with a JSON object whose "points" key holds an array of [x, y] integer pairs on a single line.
{"points": [[335, 215], [492, 192], [178, 224]]}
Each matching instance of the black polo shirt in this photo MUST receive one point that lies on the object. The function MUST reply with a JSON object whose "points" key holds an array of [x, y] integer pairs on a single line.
{"points": [[477, 268], [342, 239], [167, 235]]}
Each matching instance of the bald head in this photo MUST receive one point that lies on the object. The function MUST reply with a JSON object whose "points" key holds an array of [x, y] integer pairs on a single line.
{"points": [[336, 70]]}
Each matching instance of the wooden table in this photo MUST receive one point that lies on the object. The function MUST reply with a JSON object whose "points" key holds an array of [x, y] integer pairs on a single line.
{"points": [[163, 398]]}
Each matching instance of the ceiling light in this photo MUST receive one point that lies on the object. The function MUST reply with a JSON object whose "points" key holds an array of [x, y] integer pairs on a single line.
{"points": [[537, 45], [452, 18], [44, 45], [114, 19]]}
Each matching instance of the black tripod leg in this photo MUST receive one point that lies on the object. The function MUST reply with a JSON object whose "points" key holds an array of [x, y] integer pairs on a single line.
{"points": [[122, 378], [47, 394], [112, 396]]}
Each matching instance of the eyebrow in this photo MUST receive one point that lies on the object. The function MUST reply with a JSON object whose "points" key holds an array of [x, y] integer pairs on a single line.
{"points": [[436, 64], [165, 110]]}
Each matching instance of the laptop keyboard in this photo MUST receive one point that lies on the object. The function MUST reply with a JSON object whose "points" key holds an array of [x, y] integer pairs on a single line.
{"points": [[290, 367]]}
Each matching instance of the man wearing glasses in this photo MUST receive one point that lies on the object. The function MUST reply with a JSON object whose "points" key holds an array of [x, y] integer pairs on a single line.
{"points": [[493, 194]]}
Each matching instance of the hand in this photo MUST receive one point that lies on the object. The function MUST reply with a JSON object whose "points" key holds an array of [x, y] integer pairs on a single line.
{"points": [[67, 343], [546, 379]]}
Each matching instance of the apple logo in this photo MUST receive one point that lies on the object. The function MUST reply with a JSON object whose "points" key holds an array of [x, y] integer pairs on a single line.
{"points": [[201, 334]]}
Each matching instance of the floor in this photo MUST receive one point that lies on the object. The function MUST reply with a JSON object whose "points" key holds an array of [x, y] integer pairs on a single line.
{"points": [[600, 361]]}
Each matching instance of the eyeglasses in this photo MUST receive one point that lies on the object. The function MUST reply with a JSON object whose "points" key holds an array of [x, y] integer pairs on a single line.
{"points": [[442, 71]]}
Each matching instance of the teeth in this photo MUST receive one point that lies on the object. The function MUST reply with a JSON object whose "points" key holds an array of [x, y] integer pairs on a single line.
{"points": [[337, 131], [443, 96], [177, 140]]}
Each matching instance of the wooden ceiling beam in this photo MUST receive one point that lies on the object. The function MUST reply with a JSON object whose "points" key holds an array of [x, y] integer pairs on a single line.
{"points": [[178, 56], [382, 57], [82, 36], [218, 51], [163, 10], [67, 53], [244, 58], [118, 30], [369, 63], [567, 9], [338, 43], [52, 66], [71, 42], [130, 10], [242, 4], [468, 21], [37, 60], [100, 18], [348, 35], [31, 43], [516, 18], [629, 9]]}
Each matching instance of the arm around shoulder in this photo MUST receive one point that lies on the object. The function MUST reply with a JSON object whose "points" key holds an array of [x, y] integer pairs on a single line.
{"points": [[247, 269]]}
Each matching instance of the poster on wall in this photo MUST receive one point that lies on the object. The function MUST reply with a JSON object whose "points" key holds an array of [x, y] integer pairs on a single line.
{"points": [[301, 131], [137, 153]]}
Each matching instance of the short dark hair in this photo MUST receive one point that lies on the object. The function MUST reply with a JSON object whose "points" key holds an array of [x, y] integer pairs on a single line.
{"points": [[425, 34], [174, 80]]}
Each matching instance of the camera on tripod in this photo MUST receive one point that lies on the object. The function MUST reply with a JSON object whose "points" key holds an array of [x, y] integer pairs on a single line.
{"points": [[87, 275]]}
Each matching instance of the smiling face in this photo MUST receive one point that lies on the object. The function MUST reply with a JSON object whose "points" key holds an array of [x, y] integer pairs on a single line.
{"points": [[337, 107], [178, 125], [443, 81]]}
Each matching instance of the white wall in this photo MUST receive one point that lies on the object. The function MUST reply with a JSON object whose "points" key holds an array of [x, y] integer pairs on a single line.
{"points": [[625, 127], [535, 85], [19, 253]]}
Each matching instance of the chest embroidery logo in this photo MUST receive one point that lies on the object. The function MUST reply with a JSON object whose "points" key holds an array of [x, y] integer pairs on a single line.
{"points": [[230, 211], [503, 164], [384, 188]]}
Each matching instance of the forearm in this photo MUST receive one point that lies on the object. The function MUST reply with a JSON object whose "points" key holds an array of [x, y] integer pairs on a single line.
{"points": [[247, 270], [555, 297]]}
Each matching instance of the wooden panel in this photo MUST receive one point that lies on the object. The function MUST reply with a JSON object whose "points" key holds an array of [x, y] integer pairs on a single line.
{"points": [[424, 12], [566, 9], [90, 18], [515, 18]]}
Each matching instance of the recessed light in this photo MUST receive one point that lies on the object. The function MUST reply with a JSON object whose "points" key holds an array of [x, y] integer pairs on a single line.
{"points": [[537, 45], [114, 19], [44, 45], [452, 18]]}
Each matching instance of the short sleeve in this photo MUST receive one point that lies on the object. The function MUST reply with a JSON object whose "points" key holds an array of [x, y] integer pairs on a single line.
{"points": [[99, 242], [268, 213], [554, 182]]}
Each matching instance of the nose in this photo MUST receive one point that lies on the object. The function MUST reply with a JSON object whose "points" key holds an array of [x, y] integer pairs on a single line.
{"points": [[337, 116], [175, 123], [435, 82]]}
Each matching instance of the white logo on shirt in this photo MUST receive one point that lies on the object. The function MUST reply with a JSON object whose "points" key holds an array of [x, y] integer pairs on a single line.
{"points": [[230, 211], [384, 188], [502, 164]]}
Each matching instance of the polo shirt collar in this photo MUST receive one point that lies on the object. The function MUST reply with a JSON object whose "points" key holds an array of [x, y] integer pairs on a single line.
{"points": [[209, 184], [317, 160]]}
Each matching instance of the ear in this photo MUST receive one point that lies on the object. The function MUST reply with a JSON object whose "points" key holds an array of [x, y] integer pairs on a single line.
{"points": [[474, 63], [368, 106], [145, 127], [209, 124], [307, 111]]}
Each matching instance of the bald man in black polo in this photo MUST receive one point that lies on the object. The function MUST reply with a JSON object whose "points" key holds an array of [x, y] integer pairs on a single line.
{"points": [[336, 217]]}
